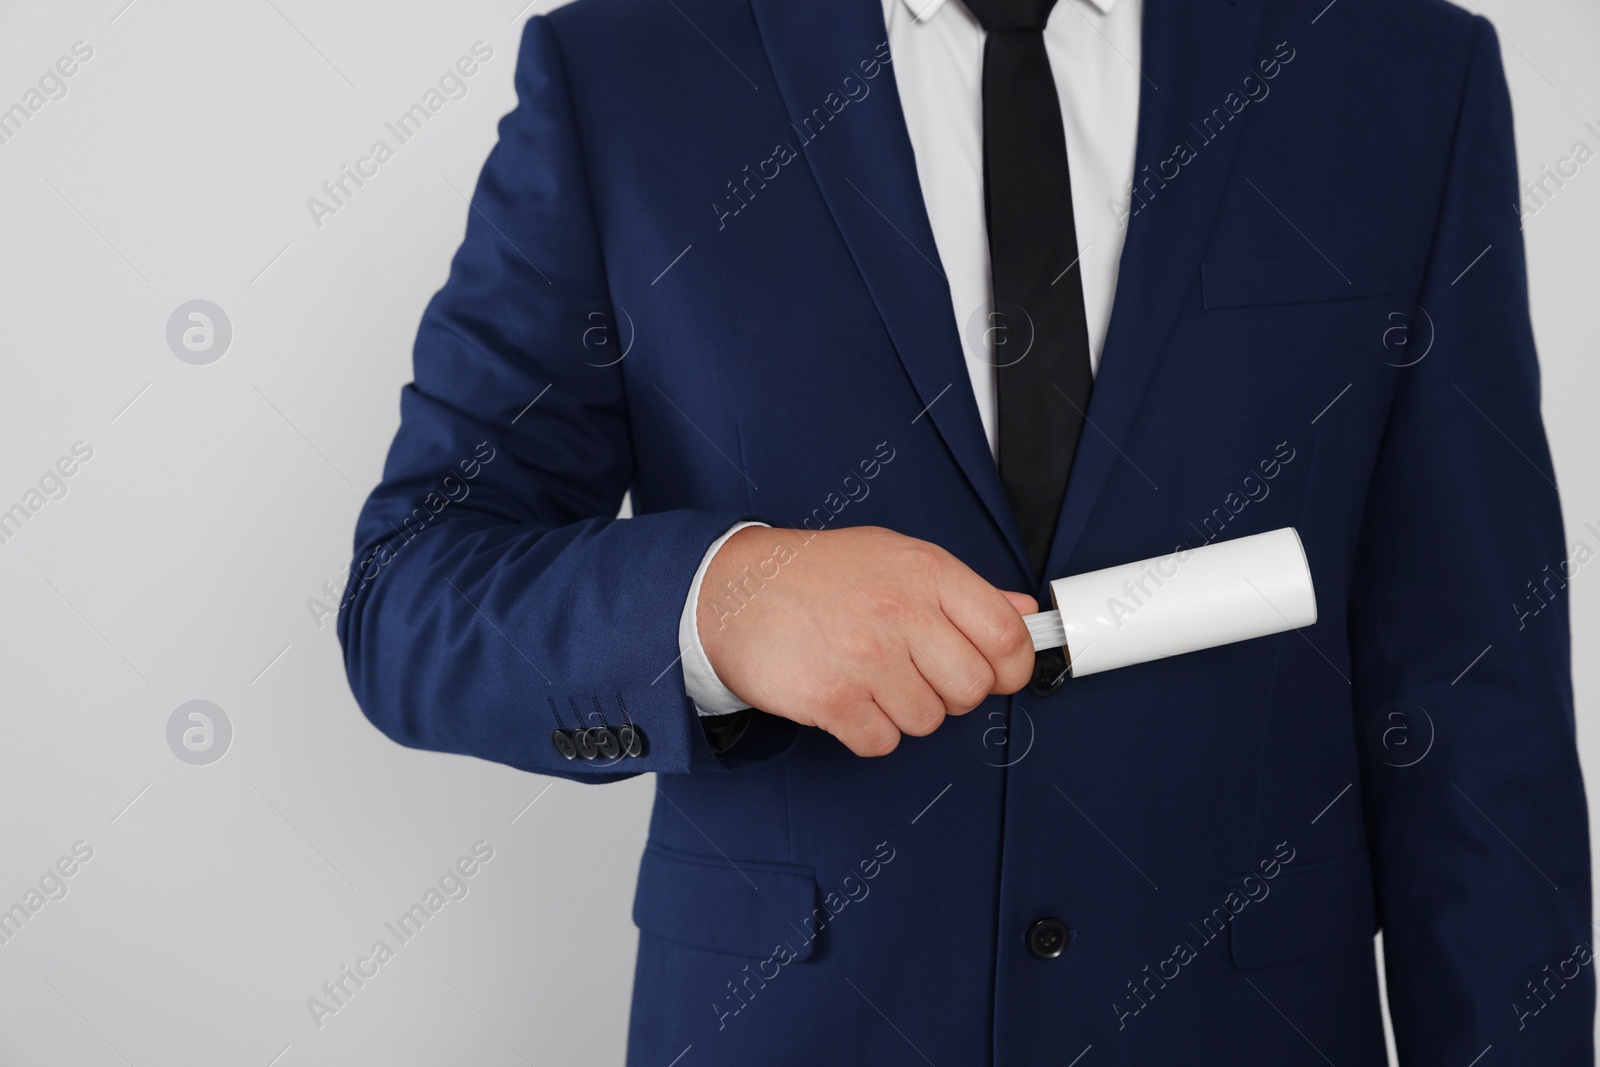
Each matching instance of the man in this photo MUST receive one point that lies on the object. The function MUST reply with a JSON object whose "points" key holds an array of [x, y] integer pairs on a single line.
{"points": [[951, 299]]}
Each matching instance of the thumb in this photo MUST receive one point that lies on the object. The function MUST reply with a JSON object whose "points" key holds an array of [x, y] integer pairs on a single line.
{"points": [[1024, 603]]}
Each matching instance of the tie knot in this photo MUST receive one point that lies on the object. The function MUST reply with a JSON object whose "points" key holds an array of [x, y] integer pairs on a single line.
{"points": [[1011, 14]]}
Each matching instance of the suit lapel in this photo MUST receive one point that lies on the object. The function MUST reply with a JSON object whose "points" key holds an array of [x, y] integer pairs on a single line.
{"points": [[1195, 52], [863, 163]]}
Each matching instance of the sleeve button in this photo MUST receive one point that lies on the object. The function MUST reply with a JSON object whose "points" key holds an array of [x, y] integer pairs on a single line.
{"points": [[563, 742]]}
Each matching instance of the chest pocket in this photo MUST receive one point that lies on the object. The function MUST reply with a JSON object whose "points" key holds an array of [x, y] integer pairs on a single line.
{"points": [[1298, 280]]}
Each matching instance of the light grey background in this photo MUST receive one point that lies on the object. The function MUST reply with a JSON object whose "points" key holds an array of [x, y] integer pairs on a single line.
{"points": [[220, 499]]}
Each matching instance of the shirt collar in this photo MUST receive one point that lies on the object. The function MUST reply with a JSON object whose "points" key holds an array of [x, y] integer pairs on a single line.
{"points": [[923, 10]]}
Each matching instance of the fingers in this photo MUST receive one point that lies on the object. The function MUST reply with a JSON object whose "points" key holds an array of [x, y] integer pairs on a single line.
{"points": [[864, 729], [899, 701], [958, 673], [908, 700], [923, 637], [992, 622]]}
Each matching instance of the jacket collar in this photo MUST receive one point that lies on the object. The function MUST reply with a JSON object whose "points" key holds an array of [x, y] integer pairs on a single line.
{"points": [[923, 10]]}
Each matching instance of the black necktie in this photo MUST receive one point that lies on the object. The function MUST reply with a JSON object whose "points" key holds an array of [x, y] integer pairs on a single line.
{"points": [[1041, 335]]}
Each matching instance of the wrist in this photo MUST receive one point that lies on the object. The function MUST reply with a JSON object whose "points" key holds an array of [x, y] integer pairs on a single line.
{"points": [[732, 581], [704, 686], [745, 564]]}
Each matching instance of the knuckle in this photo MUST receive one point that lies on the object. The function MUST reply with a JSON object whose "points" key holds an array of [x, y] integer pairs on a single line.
{"points": [[1011, 674], [896, 608], [967, 704], [879, 740], [859, 644], [927, 558], [1013, 639], [835, 697], [923, 721], [970, 695], [1014, 676], [930, 712]]}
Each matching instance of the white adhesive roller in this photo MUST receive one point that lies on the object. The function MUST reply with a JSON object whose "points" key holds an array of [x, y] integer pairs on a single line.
{"points": [[1189, 600]]}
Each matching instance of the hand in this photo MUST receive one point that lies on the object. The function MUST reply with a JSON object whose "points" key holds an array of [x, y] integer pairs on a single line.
{"points": [[862, 632]]}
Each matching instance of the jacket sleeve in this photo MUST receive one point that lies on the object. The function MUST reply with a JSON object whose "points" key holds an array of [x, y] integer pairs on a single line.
{"points": [[494, 597], [1481, 840]]}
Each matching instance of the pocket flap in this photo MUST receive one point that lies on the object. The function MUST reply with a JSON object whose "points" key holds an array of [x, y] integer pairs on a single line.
{"points": [[1302, 280], [734, 906], [1307, 912]]}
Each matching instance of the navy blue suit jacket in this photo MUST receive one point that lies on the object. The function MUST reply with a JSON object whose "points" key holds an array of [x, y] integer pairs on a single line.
{"points": [[698, 267]]}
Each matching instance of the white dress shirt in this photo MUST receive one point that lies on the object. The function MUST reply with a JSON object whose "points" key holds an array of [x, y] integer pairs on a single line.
{"points": [[937, 47]]}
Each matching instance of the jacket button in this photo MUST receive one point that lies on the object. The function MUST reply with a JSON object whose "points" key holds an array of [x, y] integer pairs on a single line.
{"points": [[1049, 671], [584, 739], [563, 742], [606, 742], [631, 738], [1047, 938]]}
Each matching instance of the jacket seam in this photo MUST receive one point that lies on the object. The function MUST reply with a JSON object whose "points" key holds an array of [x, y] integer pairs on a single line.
{"points": [[1403, 948], [575, 129]]}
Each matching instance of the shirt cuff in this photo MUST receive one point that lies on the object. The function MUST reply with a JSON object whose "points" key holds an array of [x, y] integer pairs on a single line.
{"points": [[700, 679]]}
